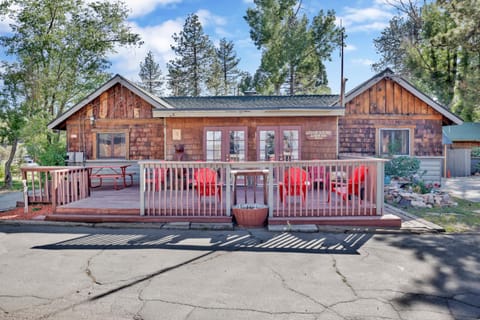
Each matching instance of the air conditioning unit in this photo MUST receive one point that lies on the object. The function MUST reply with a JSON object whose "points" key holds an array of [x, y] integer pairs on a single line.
{"points": [[74, 158]]}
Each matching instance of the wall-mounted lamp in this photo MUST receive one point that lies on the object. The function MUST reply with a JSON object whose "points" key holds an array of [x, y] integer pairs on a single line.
{"points": [[92, 120]]}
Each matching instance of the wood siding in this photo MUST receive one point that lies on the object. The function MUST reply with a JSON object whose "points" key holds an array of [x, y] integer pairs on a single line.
{"points": [[322, 146], [117, 110], [388, 105]]}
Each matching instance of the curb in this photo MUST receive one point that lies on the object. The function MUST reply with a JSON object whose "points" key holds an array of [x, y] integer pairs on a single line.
{"points": [[428, 225], [186, 226]]}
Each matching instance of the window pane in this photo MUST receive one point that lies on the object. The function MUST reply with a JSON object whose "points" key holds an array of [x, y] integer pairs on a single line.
{"points": [[111, 145], [394, 142], [290, 144], [267, 145], [214, 145], [104, 145], [118, 145], [237, 145]]}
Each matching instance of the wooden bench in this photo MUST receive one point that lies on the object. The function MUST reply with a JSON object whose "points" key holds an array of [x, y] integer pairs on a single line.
{"points": [[114, 176]]}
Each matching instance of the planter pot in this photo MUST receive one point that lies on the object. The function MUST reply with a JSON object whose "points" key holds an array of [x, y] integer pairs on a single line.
{"points": [[249, 216]]}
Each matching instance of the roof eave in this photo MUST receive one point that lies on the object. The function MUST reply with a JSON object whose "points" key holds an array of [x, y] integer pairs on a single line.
{"points": [[247, 113], [388, 74], [117, 79]]}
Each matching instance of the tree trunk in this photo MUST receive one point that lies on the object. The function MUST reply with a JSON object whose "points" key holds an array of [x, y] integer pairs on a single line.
{"points": [[8, 172]]}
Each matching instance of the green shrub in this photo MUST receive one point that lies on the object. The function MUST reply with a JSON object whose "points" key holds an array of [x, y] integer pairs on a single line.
{"points": [[476, 152], [402, 167]]}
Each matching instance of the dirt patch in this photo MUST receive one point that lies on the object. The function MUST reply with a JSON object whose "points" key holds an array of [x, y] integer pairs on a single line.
{"points": [[34, 212]]}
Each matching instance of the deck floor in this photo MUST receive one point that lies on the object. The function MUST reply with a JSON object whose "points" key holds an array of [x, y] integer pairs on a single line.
{"points": [[128, 198]]}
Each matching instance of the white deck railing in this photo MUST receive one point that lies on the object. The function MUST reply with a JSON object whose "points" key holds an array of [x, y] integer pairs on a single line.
{"points": [[332, 188]]}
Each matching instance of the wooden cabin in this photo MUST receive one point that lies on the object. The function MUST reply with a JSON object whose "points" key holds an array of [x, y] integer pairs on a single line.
{"points": [[387, 116], [120, 121]]}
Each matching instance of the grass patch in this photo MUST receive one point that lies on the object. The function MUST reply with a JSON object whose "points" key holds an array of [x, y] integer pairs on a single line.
{"points": [[465, 217], [16, 185]]}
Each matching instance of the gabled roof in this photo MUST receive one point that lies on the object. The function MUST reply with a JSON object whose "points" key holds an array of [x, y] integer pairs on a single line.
{"points": [[156, 102], [389, 74], [468, 131], [252, 102], [221, 106]]}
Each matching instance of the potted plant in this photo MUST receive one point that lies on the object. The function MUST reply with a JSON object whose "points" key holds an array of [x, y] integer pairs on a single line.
{"points": [[250, 214]]}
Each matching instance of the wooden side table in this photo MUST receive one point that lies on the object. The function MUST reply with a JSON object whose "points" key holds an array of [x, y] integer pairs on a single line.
{"points": [[250, 173]]}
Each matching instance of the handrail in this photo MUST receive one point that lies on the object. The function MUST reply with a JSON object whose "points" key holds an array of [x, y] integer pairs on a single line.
{"points": [[168, 188], [56, 185]]}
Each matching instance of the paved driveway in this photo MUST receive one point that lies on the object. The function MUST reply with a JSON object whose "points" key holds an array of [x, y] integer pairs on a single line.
{"points": [[465, 187], [94, 273]]}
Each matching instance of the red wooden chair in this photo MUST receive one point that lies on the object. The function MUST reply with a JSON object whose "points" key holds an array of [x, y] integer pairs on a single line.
{"points": [[354, 185], [319, 178], [155, 177], [206, 183], [295, 183]]}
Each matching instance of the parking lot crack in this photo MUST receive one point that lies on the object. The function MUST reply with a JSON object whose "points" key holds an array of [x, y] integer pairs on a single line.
{"points": [[289, 288], [88, 269], [271, 313], [342, 276]]}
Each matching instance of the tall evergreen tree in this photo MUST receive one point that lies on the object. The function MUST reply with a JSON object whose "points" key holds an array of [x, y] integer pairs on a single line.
{"points": [[151, 75], [188, 72], [228, 61], [58, 51], [436, 45], [293, 48]]}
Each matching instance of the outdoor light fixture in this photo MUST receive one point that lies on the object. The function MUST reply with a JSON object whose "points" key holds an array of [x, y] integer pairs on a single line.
{"points": [[92, 120]]}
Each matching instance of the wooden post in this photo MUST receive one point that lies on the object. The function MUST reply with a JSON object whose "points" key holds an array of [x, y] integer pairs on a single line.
{"points": [[25, 196]]}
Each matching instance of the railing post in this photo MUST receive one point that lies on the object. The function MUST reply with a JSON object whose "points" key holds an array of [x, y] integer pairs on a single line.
{"points": [[228, 196], [142, 189], [380, 187], [270, 190]]}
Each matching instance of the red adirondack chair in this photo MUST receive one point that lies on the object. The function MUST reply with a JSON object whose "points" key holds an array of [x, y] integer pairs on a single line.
{"points": [[155, 177], [206, 183], [354, 185], [319, 178], [295, 183]]}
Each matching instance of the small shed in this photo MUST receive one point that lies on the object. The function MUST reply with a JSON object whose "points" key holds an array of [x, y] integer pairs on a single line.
{"points": [[464, 138]]}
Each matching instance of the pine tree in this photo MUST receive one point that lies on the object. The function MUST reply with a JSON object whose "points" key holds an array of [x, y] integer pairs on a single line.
{"points": [[188, 72], [293, 48], [228, 61], [151, 75]]}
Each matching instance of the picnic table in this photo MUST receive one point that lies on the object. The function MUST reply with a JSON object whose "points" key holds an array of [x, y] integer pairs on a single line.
{"points": [[113, 172]]}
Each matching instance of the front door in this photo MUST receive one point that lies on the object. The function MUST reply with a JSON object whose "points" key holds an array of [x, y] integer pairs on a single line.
{"points": [[278, 143], [225, 144]]}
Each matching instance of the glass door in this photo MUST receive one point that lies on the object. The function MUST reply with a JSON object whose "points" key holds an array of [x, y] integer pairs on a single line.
{"points": [[279, 143], [225, 144]]}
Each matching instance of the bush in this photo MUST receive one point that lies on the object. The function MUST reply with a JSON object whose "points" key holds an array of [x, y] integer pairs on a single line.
{"points": [[476, 152], [53, 155], [402, 167]]}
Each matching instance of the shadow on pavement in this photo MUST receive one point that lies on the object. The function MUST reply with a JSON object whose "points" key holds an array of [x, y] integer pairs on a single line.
{"points": [[455, 283], [255, 240]]}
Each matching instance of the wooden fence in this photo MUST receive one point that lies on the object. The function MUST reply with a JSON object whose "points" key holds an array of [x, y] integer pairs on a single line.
{"points": [[296, 189], [56, 185]]}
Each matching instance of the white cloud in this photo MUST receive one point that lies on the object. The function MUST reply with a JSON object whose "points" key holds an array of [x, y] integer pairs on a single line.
{"points": [[156, 38], [350, 48], [206, 18], [140, 8], [363, 61], [365, 19]]}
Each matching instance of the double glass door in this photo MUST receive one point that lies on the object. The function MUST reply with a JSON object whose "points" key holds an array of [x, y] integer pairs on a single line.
{"points": [[225, 144], [278, 143]]}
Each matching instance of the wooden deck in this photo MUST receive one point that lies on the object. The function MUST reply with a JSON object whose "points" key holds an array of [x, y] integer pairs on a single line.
{"points": [[108, 205]]}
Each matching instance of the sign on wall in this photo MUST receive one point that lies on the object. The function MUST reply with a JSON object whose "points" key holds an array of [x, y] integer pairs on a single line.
{"points": [[318, 135]]}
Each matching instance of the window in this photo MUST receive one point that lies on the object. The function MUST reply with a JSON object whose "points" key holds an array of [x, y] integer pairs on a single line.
{"points": [[278, 143], [223, 144], [394, 142], [111, 146]]}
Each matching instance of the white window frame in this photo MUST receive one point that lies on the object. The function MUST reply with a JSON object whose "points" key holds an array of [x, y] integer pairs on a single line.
{"points": [[380, 142]]}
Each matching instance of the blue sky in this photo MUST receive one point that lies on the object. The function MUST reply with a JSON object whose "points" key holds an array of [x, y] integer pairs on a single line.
{"points": [[157, 20]]}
